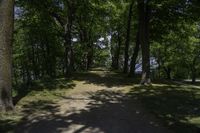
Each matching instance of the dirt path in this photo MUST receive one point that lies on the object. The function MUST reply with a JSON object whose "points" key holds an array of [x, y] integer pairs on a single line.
{"points": [[97, 104]]}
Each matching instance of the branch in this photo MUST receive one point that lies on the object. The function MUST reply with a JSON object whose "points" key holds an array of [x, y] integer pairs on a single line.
{"points": [[58, 18]]}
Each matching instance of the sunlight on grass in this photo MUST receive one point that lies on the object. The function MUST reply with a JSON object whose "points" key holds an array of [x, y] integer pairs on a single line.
{"points": [[194, 121]]}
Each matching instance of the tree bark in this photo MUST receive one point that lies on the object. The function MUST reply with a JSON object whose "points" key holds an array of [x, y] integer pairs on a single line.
{"points": [[115, 59], [126, 51], [6, 37], [69, 54], [134, 57], [90, 54], [144, 13], [168, 72], [68, 58], [193, 76], [193, 70]]}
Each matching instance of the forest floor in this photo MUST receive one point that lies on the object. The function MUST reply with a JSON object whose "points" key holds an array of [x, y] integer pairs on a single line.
{"points": [[101, 101]]}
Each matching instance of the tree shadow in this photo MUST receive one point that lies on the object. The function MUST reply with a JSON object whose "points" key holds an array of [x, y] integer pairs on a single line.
{"points": [[50, 84], [175, 105], [190, 82], [105, 78], [7, 126], [116, 112], [106, 112]]}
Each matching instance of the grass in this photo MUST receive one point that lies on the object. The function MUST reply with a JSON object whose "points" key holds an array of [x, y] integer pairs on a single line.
{"points": [[177, 106], [33, 99]]}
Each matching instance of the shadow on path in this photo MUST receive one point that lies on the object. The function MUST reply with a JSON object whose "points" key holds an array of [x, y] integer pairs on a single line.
{"points": [[107, 112], [111, 111], [105, 78]]}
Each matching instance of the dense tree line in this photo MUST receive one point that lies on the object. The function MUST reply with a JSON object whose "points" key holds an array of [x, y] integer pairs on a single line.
{"points": [[54, 38]]}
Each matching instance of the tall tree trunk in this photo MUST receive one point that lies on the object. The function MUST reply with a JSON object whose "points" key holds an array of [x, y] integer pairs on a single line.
{"points": [[90, 55], [144, 40], [6, 35], [68, 58], [90, 48], [168, 72], [193, 70], [126, 51], [118, 51], [69, 54], [194, 76], [134, 57], [35, 67], [115, 58]]}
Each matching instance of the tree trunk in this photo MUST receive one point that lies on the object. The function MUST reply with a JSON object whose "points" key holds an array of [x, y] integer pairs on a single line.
{"points": [[134, 57], [118, 51], [193, 76], [168, 72], [115, 59], [68, 59], [90, 54], [144, 40], [6, 36], [126, 54], [193, 70], [90, 48], [69, 54]]}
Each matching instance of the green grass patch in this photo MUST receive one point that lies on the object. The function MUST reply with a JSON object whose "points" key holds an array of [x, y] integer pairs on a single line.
{"points": [[178, 106], [38, 97]]}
